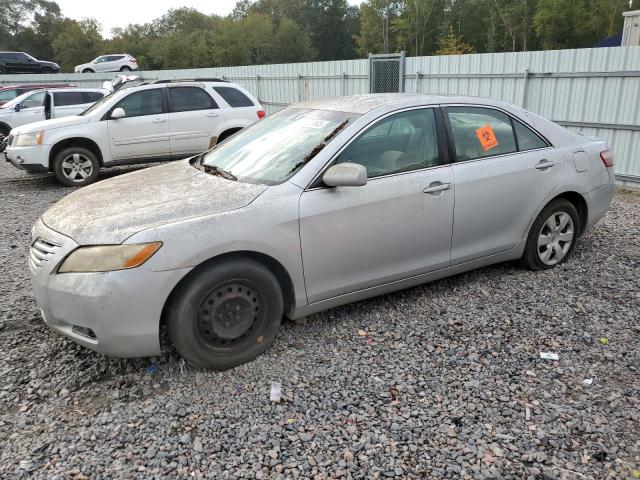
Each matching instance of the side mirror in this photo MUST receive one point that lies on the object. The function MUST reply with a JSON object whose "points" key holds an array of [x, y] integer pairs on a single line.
{"points": [[17, 107], [345, 175], [118, 113]]}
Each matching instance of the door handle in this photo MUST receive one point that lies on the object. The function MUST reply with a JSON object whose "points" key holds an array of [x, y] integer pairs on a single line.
{"points": [[544, 164], [436, 187], [213, 114], [159, 120]]}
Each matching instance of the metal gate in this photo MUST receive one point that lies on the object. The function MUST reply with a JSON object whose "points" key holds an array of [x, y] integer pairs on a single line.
{"points": [[386, 73]]}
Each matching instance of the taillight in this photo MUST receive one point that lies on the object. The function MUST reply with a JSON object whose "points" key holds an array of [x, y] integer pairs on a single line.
{"points": [[607, 158], [261, 113], [133, 60]]}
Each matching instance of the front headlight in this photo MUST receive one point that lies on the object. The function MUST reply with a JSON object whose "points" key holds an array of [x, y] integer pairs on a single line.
{"points": [[107, 258], [29, 139]]}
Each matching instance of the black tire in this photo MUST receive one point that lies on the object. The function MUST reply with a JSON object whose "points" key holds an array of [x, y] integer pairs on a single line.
{"points": [[124, 68], [47, 70], [87, 70], [5, 129], [65, 176], [534, 253], [3, 70], [225, 314]]}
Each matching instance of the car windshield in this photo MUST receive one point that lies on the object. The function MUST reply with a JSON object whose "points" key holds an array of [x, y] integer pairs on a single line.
{"points": [[273, 149], [6, 95]]}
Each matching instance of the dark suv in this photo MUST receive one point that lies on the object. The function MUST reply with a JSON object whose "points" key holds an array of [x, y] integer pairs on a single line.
{"points": [[20, 62]]}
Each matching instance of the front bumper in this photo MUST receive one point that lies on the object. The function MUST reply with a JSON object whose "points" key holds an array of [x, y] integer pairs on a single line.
{"points": [[121, 309], [33, 159]]}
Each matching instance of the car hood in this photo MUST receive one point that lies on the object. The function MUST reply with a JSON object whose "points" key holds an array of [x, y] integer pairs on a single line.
{"points": [[51, 124], [110, 211]]}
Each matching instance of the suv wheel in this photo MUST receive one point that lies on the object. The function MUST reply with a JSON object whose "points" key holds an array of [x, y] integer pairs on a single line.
{"points": [[76, 167], [47, 70], [125, 68], [87, 70], [3, 70], [553, 236], [226, 313]]}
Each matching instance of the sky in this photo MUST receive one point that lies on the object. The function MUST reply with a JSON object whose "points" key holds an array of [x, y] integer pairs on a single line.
{"points": [[119, 13]]}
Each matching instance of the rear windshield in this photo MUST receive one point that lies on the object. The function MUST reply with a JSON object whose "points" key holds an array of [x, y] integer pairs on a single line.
{"points": [[273, 149]]}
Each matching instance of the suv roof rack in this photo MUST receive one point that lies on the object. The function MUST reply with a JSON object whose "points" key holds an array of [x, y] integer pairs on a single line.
{"points": [[179, 80]]}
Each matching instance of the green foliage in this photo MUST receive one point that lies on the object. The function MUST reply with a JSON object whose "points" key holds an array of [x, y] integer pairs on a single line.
{"points": [[285, 31], [452, 44], [78, 43]]}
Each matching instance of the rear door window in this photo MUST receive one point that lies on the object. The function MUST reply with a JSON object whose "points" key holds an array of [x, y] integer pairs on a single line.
{"points": [[234, 97], [62, 99], [187, 99], [480, 132], [90, 97]]}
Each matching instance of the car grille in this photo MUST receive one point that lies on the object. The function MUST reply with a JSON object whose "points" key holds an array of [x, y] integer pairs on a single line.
{"points": [[41, 252]]}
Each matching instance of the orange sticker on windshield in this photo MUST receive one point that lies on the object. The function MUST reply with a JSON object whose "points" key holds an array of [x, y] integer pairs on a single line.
{"points": [[487, 137]]}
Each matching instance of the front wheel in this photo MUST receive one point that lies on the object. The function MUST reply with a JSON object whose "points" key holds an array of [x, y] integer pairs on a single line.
{"points": [[553, 236], [47, 70], [76, 167], [87, 70], [225, 314], [125, 68]]}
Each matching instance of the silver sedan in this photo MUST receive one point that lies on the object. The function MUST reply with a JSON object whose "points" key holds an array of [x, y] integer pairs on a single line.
{"points": [[323, 203]]}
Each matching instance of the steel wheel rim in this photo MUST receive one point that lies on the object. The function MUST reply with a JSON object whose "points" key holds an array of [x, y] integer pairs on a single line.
{"points": [[76, 167], [555, 238], [229, 314]]}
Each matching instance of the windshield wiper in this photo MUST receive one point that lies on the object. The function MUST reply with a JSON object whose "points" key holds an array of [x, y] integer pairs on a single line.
{"points": [[213, 170], [318, 148]]}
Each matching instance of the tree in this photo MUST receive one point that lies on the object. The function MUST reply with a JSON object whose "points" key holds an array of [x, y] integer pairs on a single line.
{"points": [[289, 34], [451, 44], [577, 23], [78, 43]]}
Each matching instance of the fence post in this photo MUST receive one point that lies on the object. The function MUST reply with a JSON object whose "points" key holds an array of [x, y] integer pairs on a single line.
{"points": [[344, 84], [258, 88], [418, 77], [525, 80], [300, 87]]}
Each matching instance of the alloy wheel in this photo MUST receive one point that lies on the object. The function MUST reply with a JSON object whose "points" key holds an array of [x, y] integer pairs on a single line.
{"points": [[555, 238], [77, 167]]}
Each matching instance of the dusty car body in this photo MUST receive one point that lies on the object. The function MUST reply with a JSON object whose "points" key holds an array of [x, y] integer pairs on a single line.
{"points": [[320, 235]]}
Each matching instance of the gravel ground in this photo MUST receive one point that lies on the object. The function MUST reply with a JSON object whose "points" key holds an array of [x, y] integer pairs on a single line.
{"points": [[439, 381]]}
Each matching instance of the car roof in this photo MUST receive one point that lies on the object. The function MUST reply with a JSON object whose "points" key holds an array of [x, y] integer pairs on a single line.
{"points": [[37, 85], [391, 101], [76, 89]]}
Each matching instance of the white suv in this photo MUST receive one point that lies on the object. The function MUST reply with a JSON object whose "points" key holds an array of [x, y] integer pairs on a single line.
{"points": [[164, 120], [38, 105], [117, 62]]}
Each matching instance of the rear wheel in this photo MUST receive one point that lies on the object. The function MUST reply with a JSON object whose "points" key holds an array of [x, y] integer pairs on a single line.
{"points": [[76, 167], [87, 70], [225, 314], [125, 68], [553, 236]]}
